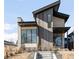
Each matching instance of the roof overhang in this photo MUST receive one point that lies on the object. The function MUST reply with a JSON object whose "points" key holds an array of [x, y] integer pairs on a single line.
{"points": [[72, 33], [61, 15], [54, 5], [28, 24], [60, 29]]}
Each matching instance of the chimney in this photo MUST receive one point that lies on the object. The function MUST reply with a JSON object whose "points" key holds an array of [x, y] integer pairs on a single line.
{"points": [[19, 19]]}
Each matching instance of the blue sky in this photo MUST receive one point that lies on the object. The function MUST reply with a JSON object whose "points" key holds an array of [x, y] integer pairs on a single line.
{"points": [[24, 9]]}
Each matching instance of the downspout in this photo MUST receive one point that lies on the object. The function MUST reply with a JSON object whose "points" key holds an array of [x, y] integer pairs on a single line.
{"points": [[67, 39]]}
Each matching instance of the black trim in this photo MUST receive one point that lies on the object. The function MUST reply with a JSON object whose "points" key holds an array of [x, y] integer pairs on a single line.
{"points": [[57, 3], [30, 23], [27, 22], [61, 15], [60, 29]]}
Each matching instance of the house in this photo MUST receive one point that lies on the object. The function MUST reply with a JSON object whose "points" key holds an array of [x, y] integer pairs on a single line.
{"points": [[69, 41], [46, 32], [9, 43]]}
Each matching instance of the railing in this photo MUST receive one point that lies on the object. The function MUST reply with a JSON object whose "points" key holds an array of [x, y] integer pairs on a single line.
{"points": [[52, 55], [35, 55]]}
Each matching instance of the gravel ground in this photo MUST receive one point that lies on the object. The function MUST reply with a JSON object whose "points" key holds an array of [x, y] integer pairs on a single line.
{"points": [[24, 55]]}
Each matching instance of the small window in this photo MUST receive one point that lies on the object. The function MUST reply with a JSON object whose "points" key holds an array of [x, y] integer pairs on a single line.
{"points": [[49, 20]]}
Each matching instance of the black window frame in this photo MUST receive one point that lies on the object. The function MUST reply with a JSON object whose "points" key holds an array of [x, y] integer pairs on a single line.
{"points": [[25, 40]]}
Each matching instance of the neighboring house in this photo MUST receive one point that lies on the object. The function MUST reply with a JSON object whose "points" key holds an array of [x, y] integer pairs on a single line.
{"points": [[46, 32], [69, 41], [9, 43]]}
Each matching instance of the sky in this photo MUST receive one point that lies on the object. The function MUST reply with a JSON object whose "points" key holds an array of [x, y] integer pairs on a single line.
{"points": [[24, 9]]}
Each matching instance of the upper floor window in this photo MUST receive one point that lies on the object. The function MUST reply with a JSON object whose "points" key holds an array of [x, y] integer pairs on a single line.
{"points": [[49, 18]]}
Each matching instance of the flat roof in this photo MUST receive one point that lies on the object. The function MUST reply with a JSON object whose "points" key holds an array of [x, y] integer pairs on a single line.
{"points": [[60, 29], [29, 23]]}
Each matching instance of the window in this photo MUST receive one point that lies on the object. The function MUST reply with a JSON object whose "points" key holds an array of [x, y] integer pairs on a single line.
{"points": [[58, 41], [23, 36], [34, 36], [29, 36], [49, 20]]}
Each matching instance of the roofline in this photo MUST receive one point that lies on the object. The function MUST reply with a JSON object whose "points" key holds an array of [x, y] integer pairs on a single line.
{"points": [[72, 33], [61, 15], [65, 29], [47, 7], [29, 23]]}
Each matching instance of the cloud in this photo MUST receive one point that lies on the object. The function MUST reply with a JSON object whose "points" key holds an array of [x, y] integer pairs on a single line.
{"points": [[11, 37], [8, 26]]}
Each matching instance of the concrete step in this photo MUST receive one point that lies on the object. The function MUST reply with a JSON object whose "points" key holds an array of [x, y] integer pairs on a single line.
{"points": [[44, 55]]}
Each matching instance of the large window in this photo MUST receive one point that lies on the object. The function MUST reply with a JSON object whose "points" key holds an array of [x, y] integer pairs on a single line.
{"points": [[29, 36], [57, 40]]}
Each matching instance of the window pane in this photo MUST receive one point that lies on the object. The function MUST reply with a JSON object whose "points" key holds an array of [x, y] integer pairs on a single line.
{"points": [[28, 36], [34, 36], [49, 20], [23, 36], [58, 41]]}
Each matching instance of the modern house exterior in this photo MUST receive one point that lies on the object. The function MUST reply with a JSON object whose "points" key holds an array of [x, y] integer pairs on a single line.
{"points": [[46, 32]]}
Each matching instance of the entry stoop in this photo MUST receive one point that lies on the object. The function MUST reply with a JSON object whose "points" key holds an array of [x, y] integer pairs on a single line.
{"points": [[46, 55]]}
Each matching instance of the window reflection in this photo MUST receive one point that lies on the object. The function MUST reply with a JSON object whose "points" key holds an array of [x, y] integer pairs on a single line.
{"points": [[34, 35], [29, 36], [28, 31], [57, 40], [23, 36]]}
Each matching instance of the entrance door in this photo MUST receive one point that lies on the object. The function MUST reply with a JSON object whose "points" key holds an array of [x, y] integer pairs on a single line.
{"points": [[57, 40]]}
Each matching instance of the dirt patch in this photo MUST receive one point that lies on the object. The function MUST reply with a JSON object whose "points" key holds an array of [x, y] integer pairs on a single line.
{"points": [[67, 54]]}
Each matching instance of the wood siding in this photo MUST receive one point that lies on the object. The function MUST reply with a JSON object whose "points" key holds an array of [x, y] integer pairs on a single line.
{"points": [[58, 22], [45, 33]]}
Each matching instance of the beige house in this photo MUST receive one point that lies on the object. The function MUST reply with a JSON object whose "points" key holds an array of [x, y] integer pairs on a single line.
{"points": [[46, 32]]}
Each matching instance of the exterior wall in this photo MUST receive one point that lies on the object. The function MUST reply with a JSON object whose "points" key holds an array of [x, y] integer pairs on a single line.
{"points": [[28, 45], [45, 33], [19, 36], [58, 22]]}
